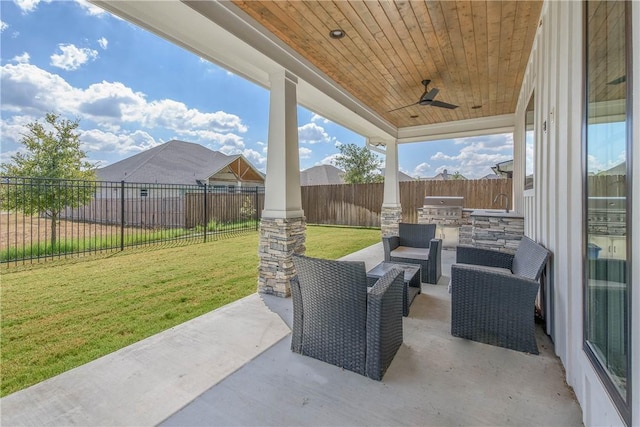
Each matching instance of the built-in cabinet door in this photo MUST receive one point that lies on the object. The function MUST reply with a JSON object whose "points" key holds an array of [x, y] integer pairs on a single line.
{"points": [[609, 246]]}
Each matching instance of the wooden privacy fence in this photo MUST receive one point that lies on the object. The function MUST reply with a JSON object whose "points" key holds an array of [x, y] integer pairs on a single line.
{"points": [[222, 207], [360, 204]]}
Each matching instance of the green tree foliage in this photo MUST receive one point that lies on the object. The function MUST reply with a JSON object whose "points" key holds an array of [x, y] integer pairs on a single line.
{"points": [[34, 182], [361, 166]]}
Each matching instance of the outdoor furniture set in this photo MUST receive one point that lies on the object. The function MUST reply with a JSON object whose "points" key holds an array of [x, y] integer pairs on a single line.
{"points": [[351, 318]]}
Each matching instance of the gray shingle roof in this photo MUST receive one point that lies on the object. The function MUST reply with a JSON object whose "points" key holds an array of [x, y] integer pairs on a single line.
{"points": [[174, 162], [331, 175], [321, 175]]}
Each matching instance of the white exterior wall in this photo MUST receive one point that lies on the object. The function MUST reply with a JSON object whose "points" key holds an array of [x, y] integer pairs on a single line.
{"points": [[553, 209]]}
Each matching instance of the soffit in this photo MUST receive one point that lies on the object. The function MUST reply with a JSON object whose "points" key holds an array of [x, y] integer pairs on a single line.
{"points": [[475, 52]]}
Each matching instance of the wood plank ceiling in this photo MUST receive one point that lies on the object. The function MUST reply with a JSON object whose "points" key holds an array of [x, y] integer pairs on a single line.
{"points": [[475, 52]]}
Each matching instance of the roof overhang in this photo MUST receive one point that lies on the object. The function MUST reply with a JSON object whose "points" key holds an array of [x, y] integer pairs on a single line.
{"points": [[225, 35]]}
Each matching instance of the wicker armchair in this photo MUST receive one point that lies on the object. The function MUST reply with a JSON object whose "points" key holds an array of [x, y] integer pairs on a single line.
{"points": [[338, 320], [493, 295], [416, 244]]}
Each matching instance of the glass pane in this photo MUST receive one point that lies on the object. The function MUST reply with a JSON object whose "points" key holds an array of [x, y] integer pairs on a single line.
{"points": [[529, 144], [607, 319]]}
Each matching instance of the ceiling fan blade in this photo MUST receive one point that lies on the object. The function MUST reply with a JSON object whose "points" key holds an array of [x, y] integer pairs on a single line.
{"points": [[400, 108], [427, 97], [443, 105]]}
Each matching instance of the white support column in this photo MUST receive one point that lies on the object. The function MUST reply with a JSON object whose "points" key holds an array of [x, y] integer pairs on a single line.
{"points": [[282, 227], [391, 213], [282, 185]]}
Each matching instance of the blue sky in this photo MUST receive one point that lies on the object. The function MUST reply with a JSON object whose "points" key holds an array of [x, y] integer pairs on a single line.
{"points": [[132, 90]]}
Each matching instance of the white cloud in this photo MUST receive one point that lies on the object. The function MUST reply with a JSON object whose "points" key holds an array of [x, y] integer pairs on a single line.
{"points": [[103, 42], [311, 133], [422, 170], [319, 118], [232, 145], [22, 59], [13, 128], [329, 160], [72, 57], [256, 159], [3, 26], [176, 115], [27, 88], [475, 158], [114, 110], [305, 153], [90, 8], [28, 5], [122, 143]]}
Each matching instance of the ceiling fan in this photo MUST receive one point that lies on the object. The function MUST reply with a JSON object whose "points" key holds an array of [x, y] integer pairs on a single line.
{"points": [[427, 98]]}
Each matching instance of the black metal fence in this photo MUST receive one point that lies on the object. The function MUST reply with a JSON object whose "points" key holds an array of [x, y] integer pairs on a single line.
{"points": [[47, 218]]}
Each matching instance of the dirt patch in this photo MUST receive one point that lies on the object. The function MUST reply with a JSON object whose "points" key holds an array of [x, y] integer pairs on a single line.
{"points": [[18, 230]]}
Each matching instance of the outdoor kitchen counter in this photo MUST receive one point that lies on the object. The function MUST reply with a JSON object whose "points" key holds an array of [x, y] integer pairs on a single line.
{"points": [[495, 213], [496, 229]]}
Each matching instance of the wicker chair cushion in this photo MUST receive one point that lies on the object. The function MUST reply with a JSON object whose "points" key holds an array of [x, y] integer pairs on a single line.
{"points": [[410, 253]]}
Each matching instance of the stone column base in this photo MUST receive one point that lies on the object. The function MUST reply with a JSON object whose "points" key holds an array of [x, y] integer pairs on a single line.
{"points": [[389, 220], [279, 239]]}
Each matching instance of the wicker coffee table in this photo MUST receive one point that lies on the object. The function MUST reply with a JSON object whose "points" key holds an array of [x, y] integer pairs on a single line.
{"points": [[412, 286]]}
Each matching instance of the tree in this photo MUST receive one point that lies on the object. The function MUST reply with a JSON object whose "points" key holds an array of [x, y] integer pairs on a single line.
{"points": [[361, 166], [52, 154]]}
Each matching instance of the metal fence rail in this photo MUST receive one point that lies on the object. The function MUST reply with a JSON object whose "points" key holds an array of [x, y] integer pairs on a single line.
{"points": [[44, 219]]}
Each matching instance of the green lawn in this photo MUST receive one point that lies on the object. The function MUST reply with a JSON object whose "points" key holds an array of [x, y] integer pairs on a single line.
{"points": [[60, 315]]}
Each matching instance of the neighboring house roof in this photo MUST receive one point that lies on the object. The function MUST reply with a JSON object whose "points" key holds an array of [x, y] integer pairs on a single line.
{"points": [[331, 175], [174, 162], [402, 176], [321, 175], [619, 169], [445, 176], [492, 176]]}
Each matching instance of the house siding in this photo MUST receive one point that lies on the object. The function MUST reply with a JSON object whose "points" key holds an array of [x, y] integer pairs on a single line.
{"points": [[553, 209]]}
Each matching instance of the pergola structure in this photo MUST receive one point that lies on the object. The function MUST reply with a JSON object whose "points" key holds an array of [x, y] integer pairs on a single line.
{"points": [[354, 62]]}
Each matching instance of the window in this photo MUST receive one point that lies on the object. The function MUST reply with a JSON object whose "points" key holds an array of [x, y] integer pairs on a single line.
{"points": [[607, 219], [529, 144]]}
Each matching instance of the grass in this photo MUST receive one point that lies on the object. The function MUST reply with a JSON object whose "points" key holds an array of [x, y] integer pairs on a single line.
{"points": [[62, 314]]}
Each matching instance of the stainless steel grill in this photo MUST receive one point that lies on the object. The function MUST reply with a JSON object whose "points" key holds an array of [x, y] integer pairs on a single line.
{"points": [[446, 212], [443, 209]]}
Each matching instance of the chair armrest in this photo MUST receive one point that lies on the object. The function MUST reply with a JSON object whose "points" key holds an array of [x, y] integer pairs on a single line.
{"points": [[480, 256], [390, 243], [384, 323], [296, 330]]}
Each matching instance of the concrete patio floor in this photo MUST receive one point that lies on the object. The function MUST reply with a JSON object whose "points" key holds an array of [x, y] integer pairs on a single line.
{"points": [[234, 367]]}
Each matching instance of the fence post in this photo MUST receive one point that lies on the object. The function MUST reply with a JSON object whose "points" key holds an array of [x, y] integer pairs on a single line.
{"points": [[122, 215], [205, 213]]}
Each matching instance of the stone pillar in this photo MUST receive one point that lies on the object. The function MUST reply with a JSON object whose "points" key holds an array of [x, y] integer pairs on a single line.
{"points": [[279, 239], [391, 214], [282, 228], [390, 217]]}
